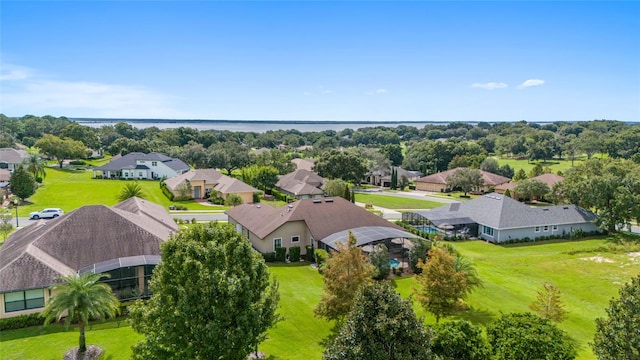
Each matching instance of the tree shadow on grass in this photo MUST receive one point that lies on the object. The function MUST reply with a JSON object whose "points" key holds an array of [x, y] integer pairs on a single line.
{"points": [[334, 332], [477, 316], [289, 265]]}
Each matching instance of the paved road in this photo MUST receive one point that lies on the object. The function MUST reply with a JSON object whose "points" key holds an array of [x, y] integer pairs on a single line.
{"points": [[415, 194]]}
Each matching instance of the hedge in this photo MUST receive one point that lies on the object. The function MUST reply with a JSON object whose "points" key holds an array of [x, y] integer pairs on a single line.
{"points": [[269, 257], [166, 191], [281, 254], [309, 257], [21, 321], [294, 253]]}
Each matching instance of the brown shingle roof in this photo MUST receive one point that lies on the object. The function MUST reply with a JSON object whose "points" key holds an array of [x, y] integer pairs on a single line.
{"points": [[5, 175], [549, 179], [323, 217], [490, 179], [12, 156], [34, 255], [294, 182], [223, 183], [305, 164]]}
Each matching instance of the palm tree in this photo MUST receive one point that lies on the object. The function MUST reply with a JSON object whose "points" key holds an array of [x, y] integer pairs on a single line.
{"points": [[81, 297], [36, 166], [463, 264], [130, 190]]}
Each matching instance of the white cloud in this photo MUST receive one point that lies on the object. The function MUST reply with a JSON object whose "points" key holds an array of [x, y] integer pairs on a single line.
{"points": [[531, 82], [489, 85], [24, 92], [379, 91]]}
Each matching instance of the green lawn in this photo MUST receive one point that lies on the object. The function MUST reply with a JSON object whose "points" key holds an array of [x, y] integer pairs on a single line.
{"points": [[511, 274], [554, 164], [396, 202], [71, 189]]}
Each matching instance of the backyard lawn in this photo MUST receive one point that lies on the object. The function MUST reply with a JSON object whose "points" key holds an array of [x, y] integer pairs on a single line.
{"points": [[396, 202], [554, 164], [588, 272], [71, 189]]}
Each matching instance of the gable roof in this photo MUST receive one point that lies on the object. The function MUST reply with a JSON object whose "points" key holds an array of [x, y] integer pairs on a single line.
{"points": [[549, 179], [12, 156], [306, 164], [502, 212], [35, 255], [129, 161], [301, 182], [221, 182], [490, 179], [323, 217]]}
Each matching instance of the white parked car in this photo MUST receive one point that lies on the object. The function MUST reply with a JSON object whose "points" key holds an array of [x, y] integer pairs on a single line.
{"points": [[49, 213]]}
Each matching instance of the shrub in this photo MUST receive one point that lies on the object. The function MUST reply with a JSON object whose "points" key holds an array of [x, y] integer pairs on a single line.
{"points": [[281, 254], [269, 257], [294, 253], [321, 258], [309, 257], [21, 321], [193, 220], [166, 191], [256, 197]]}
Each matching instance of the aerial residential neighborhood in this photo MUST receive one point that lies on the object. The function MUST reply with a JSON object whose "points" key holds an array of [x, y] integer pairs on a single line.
{"points": [[319, 180]]}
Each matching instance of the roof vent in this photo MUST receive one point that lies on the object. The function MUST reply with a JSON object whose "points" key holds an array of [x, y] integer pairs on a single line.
{"points": [[258, 206], [565, 207], [317, 201], [545, 209], [328, 200]]}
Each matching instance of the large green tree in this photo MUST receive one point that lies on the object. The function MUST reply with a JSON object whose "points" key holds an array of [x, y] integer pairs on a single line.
{"points": [[527, 336], [460, 340], [342, 275], [22, 183], [380, 326], [79, 298], [618, 335], [465, 179], [61, 149], [531, 189], [345, 165], [212, 298], [610, 187]]}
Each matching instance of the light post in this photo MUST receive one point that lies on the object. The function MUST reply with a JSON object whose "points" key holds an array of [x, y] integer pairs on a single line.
{"points": [[15, 201]]}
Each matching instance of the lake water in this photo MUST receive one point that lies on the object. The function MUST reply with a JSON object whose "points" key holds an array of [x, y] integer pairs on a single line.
{"points": [[249, 126]]}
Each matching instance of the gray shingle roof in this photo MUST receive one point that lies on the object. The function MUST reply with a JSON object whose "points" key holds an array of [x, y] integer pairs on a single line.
{"points": [[36, 254], [502, 212], [221, 182], [301, 182], [323, 217], [129, 160]]}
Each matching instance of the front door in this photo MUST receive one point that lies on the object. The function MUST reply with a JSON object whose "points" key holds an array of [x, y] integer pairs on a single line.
{"points": [[196, 192]]}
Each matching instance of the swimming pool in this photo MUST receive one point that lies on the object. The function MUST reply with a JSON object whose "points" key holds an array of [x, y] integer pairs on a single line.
{"points": [[394, 263], [426, 228]]}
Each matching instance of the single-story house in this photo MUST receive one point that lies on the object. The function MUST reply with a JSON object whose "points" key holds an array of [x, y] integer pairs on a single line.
{"points": [[549, 179], [138, 165], [304, 164], [498, 218], [438, 182], [301, 184], [202, 182], [318, 222], [122, 240], [11, 158], [383, 177]]}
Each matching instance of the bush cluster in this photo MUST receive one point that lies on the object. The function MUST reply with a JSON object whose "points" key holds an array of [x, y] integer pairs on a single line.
{"points": [[575, 234], [281, 254], [309, 256], [21, 321], [280, 196], [269, 257], [166, 191], [294, 253]]}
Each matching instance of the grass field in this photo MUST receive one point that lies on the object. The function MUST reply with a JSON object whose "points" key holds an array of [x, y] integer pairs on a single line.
{"points": [[71, 189], [554, 164], [396, 202], [511, 275]]}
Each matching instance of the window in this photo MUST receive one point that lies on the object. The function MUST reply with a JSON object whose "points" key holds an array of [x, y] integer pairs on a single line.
{"points": [[537, 229], [23, 300], [295, 239], [487, 230], [277, 242], [139, 173], [154, 163], [554, 228], [546, 228]]}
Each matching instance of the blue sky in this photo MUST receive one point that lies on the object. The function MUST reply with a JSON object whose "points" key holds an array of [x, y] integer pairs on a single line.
{"points": [[317, 60]]}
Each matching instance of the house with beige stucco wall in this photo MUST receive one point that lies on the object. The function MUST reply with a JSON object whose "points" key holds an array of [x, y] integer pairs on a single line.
{"points": [[310, 222], [201, 183]]}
